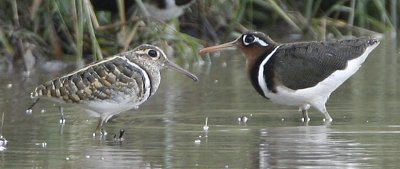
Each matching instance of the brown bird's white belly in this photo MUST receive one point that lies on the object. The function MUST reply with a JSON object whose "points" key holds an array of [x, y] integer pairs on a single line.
{"points": [[316, 95]]}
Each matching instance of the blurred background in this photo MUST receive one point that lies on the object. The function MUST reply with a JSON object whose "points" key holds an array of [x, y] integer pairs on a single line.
{"points": [[54, 34]]}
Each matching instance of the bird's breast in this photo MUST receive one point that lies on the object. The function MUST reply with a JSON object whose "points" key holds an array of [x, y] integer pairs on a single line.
{"points": [[116, 80]]}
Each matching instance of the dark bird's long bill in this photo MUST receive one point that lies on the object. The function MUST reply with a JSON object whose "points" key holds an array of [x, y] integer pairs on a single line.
{"points": [[175, 67], [229, 45]]}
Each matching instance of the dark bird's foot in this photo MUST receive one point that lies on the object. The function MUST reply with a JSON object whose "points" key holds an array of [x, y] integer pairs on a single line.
{"points": [[304, 113]]}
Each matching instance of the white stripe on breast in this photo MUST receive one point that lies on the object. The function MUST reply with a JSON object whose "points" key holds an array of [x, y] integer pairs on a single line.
{"points": [[261, 77]]}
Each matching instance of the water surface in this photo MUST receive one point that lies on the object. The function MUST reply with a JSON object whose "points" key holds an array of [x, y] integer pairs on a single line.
{"points": [[167, 130]]}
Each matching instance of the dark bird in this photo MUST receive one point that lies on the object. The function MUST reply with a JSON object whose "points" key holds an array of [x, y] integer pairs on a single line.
{"points": [[300, 74], [113, 85]]}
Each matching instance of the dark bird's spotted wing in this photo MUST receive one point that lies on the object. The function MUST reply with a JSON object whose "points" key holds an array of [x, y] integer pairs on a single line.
{"points": [[98, 81], [303, 65]]}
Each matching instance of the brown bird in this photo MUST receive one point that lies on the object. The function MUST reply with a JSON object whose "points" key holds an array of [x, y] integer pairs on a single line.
{"points": [[113, 85], [302, 74]]}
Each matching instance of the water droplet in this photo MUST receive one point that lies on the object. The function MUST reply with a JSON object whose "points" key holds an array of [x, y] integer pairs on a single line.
{"points": [[29, 111], [215, 81], [10, 85], [42, 111], [224, 64], [102, 158], [67, 158], [283, 119], [87, 156]]}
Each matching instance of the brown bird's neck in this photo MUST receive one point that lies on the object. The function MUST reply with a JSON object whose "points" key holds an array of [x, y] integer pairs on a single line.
{"points": [[252, 56]]}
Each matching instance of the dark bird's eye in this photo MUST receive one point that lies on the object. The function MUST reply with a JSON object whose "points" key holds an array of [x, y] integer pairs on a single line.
{"points": [[152, 53], [247, 39]]}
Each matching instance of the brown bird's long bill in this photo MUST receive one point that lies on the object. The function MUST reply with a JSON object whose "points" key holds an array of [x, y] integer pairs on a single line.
{"points": [[175, 67], [229, 45]]}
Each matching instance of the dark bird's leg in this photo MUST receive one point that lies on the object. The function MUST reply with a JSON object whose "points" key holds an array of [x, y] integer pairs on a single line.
{"points": [[321, 108], [121, 134], [305, 116], [327, 118], [304, 112]]}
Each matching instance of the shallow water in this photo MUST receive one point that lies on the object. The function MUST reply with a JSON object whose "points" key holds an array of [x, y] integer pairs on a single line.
{"points": [[167, 131]]}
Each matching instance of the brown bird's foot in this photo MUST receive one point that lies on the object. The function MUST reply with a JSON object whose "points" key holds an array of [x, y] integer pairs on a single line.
{"points": [[305, 119], [328, 118], [304, 112]]}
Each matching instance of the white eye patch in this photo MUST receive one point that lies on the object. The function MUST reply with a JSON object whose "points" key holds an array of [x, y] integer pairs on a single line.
{"points": [[249, 39]]}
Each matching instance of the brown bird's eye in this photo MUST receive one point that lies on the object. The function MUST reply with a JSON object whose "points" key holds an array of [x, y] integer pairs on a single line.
{"points": [[247, 39], [152, 53]]}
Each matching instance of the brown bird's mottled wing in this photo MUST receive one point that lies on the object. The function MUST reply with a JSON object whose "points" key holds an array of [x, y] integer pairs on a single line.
{"points": [[98, 81], [303, 65]]}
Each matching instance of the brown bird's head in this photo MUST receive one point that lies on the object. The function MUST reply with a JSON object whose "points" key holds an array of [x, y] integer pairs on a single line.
{"points": [[252, 44], [152, 56]]}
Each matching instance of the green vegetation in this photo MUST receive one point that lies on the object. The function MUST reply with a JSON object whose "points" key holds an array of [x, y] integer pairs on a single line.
{"points": [[71, 30]]}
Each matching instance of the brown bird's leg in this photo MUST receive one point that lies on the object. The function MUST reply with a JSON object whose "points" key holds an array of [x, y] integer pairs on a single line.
{"points": [[305, 115], [328, 118], [304, 112]]}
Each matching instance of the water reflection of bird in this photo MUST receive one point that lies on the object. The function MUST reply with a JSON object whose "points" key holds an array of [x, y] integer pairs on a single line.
{"points": [[113, 85], [299, 74]]}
